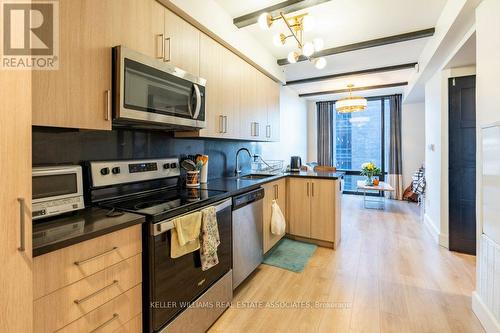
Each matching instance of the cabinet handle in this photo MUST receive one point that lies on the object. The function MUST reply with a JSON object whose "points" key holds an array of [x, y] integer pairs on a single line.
{"points": [[312, 189], [115, 316], [257, 129], [225, 124], [268, 131], [165, 52], [221, 124], [307, 189], [160, 46], [22, 225], [78, 263], [86, 298], [107, 113], [252, 129]]}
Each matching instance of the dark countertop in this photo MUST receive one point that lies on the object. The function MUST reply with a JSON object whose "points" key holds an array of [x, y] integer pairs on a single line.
{"points": [[92, 222], [89, 223], [236, 186]]}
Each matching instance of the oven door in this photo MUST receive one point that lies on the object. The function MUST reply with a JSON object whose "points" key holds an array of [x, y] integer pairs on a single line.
{"points": [[149, 91], [176, 282]]}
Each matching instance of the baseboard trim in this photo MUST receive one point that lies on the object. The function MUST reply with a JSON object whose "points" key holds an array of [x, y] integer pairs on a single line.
{"points": [[489, 322], [444, 241], [431, 228]]}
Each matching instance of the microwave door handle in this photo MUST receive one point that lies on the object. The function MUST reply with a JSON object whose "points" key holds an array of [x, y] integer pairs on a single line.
{"points": [[198, 101]]}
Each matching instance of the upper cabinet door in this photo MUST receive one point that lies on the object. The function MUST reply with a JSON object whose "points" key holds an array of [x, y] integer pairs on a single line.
{"points": [[273, 112], [16, 277], [139, 25], [182, 44], [248, 101], [211, 69], [78, 94], [230, 93]]}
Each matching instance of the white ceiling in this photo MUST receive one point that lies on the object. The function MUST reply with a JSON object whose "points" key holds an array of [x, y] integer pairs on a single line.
{"points": [[342, 22]]}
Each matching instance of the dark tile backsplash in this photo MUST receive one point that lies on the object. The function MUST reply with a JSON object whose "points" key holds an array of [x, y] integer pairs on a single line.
{"points": [[61, 146]]}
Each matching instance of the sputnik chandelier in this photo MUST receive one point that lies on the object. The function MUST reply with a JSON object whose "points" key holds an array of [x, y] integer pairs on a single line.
{"points": [[296, 26]]}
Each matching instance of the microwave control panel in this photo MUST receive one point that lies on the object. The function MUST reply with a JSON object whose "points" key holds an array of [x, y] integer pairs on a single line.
{"points": [[106, 173]]}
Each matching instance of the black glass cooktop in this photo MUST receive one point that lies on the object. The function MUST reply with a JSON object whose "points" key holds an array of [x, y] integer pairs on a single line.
{"points": [[159, 204]]}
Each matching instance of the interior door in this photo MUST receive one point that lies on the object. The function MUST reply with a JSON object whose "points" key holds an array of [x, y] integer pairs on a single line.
{"points": [[16, 277], [462, 164]]}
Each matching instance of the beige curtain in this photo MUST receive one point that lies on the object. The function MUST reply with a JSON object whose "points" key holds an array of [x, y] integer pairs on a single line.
{"points": [[395, 178]]}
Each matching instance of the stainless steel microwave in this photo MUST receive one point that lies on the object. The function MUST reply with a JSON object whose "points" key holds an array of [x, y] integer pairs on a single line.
{"points": [[56, 190], [152, 94]]}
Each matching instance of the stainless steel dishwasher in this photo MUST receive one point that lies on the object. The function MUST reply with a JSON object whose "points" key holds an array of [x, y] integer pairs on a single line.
{"points": [[247, 234]]}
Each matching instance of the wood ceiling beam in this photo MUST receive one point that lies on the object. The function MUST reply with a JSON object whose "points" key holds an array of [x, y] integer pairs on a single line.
{"points": [[284, 7], [368, 44], [331, 92], [360, 72]]}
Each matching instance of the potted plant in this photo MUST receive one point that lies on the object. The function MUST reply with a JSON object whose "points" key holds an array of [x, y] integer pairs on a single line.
{"points": [[369, 169]]}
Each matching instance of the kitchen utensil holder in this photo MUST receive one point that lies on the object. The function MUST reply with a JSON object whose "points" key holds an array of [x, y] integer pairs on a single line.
{"points": [[193, 178]]}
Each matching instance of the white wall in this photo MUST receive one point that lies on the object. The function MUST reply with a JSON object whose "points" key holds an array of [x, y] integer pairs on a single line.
{"points": [[293, 129], [413, 139], [312, 132], [486, 299]]}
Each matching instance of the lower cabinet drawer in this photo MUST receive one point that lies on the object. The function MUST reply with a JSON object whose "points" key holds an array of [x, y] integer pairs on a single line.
{"points": [[60, 268], [133, 326], [67, 304], [122, 314]]}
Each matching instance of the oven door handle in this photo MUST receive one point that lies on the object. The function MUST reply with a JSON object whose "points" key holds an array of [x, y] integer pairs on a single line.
{"points": [[162, 227]]}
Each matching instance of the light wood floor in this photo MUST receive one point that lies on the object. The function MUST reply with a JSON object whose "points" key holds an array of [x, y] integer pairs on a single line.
{"points": [[388, 271]]}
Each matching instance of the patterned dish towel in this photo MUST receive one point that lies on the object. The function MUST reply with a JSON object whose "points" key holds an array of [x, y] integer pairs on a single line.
{"points": [[185, 237], [209, 238]]}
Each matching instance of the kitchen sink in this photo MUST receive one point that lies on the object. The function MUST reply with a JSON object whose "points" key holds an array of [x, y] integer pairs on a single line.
{"points": [[256, 176]]}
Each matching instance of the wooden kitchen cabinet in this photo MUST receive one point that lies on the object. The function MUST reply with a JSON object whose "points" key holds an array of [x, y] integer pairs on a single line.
{"points": [[182, 44], [314, 209], [16, 276], [273, 111], [272, 191], [78, 94], [299, 207]]}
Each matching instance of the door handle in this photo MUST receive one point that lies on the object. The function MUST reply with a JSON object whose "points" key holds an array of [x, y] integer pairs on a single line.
{"points": [[78, 263], [225, 124], [268, 131], [160, 46], [22, 225], [164, 51], [86, 298], [107, 322], [275, 192], [257, 129], [107, 113], [198, 101], [312, 189], [221, 124], [307, 189]]}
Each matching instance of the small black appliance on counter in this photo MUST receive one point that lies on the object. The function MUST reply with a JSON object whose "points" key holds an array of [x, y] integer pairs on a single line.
{"points": [[295, 163]]}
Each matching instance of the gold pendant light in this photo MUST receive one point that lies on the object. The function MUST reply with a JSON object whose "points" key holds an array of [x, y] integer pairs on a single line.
{"points": [[351, 103]]}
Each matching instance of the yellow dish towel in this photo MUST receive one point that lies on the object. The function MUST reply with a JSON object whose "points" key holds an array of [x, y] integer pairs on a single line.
{"points": [[185, 236]]}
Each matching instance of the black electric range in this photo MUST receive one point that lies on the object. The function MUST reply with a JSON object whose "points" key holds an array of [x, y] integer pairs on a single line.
{"points": [[170, 285]]}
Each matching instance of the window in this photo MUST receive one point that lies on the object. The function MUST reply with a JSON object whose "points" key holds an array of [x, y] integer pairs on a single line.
{"points": [[360, 138]]}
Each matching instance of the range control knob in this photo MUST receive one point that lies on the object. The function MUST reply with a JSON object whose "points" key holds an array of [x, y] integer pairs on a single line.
{"points": [[105, 171], [115, 170], [166, 166], [173, 165]]}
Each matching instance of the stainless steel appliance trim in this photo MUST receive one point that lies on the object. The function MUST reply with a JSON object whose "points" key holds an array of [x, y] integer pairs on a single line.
{"points": [[107, 322], [22, 225], [60, 170], [164, 226], [121, 112], [221, 292], [81, 262], [97, 292], [198, 101]]}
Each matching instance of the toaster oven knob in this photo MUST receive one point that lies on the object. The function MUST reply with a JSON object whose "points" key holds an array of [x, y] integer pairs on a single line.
{"points": [[105, 171], [166, 166], [173, 165], [115, 170]]}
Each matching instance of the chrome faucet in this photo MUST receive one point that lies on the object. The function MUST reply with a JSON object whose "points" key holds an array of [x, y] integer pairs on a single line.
{"points": [[237, 171]]}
